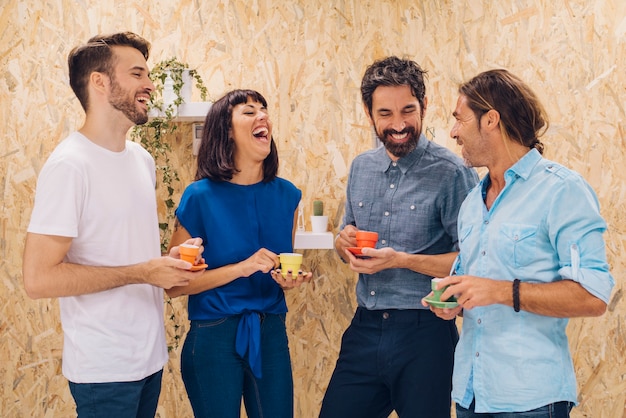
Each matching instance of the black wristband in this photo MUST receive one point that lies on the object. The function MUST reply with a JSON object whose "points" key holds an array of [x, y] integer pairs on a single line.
{"points": [[516, 295]]}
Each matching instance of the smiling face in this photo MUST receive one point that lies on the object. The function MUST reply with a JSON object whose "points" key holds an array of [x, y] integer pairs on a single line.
{"points": [[251, 130], [468, 134], [130, 85], [397, 118]]}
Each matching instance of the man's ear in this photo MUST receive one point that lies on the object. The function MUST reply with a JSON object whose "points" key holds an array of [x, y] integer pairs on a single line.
{"points": [[98, 81], [491, 119], [425, 106]]}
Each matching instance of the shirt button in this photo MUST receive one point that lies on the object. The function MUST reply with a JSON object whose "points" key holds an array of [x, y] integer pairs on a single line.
{"points": [[486, 222], [392, 186], [515, 238], [386, 213], [383, 241], [360, 204], [412, 207], [479, 321], [385, 315], [482, 253], [372, 293], [394, 164], [477, 355]]}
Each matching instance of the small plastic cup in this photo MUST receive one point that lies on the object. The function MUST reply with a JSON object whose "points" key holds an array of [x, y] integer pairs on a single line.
{"points": [[433, 286], [366, 239], [189, 252], [290, 261]]}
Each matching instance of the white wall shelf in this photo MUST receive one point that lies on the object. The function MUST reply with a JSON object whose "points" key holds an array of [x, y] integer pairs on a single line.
{"points": [[187, 112], [314, 241]]}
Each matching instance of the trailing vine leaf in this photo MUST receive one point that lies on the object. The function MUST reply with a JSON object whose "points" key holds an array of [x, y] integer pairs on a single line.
{"points": [[155, 137]]}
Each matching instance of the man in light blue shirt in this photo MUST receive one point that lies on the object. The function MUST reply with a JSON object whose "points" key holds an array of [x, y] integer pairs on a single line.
{"points": [[531, 255]]}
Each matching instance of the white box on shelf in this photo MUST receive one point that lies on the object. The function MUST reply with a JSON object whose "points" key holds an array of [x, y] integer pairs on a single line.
{"points": [[186, 112], [314, 240]]}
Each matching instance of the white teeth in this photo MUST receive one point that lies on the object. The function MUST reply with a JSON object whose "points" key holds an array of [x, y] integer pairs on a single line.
{"points": [[260, 132]]}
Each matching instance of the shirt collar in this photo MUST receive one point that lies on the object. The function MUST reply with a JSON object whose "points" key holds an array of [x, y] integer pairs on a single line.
{"points": [[521, 169], [404, 163], [525, 165]]}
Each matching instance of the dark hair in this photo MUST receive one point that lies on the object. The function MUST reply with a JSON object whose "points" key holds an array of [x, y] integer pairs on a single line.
{"points": [[96, 55], [216, 154], [522, 117], [393, 71]]}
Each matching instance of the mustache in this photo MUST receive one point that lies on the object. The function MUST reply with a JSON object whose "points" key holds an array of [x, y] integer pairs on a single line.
{"points": [[407, 129]]}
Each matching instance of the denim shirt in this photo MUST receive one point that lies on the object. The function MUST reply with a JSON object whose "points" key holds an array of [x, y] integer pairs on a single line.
{"points": [[544, 226], [413, 204]]}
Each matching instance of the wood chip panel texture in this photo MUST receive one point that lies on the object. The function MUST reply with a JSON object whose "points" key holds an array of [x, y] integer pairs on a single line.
{"points": [[307, 57]]}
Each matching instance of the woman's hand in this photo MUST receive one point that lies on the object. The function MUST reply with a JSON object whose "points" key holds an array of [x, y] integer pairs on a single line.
{"points": [[291, 280]]}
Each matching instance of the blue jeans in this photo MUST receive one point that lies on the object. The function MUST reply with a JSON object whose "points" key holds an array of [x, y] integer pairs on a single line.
{"points": [[553, 410], [393, 360], [216, 377], [119, 399]]}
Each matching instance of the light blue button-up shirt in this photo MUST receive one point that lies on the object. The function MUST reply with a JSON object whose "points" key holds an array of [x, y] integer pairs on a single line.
{"points": [[413, 204], [544, 226]]}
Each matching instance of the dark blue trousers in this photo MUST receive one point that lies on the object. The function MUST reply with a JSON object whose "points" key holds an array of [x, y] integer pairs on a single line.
{"points": [[393, 360]]}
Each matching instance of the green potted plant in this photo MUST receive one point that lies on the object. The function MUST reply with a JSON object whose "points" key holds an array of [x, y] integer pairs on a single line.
{"points": [[156, 133], [319, 221], [155, 136]]}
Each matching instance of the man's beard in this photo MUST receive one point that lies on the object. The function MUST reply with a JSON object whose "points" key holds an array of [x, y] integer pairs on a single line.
{"points": [[399, 149], [120, 102]]}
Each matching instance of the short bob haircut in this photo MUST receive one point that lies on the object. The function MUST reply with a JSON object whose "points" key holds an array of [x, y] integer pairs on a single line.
{"points": [[216, 153]]}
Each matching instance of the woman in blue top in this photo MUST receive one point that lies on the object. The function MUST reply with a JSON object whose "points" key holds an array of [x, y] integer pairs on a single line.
{"points": [[237, 343]]}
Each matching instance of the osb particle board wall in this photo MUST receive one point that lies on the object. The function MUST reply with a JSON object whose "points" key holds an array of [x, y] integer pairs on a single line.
{"points": [[307, 57]]}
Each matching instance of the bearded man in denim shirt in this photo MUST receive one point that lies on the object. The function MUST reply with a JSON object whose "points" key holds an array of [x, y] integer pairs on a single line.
{"points": [[531, 256], [396, 354]]}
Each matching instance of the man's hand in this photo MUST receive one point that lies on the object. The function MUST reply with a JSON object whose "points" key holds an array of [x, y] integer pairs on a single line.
{"points": [[375, 261], [345, 239], [167, 272]]}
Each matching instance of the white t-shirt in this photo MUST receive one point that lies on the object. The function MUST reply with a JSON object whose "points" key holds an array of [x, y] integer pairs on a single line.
{"points": [[106, 202]]}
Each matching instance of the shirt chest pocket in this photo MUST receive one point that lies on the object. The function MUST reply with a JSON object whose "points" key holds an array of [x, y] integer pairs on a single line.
{"points": [[518, 243], [364, 218]]}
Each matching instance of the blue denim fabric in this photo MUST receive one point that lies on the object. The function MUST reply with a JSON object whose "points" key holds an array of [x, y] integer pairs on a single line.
{"points": [[118, 399], [554, 410], [413, 204], [393, 360], [216, 377]]}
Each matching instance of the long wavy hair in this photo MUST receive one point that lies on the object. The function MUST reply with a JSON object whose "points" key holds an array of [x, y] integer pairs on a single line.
{"points": [[522, 117]]}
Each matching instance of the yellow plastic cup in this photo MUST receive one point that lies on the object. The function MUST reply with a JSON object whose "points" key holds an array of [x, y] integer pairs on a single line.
{"points": [[290, 261]]}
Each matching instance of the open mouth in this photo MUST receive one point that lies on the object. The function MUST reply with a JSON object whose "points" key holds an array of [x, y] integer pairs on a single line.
{"points": [[260, 133], [143, 100], [399, 137]]}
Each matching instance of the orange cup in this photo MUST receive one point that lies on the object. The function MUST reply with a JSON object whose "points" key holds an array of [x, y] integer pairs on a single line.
{"points": [[366, 239], [189, 252]]}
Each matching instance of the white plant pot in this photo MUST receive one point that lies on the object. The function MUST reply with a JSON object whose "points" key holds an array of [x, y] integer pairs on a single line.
{"points": [[319, 223]]}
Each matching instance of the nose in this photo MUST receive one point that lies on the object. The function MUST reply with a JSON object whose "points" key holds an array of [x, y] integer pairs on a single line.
{"points": [[150, 85], [398, 124], [453, 131]]}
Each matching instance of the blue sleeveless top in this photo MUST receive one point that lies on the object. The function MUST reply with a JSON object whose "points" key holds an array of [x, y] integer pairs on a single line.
{"points": [[234, 221]]}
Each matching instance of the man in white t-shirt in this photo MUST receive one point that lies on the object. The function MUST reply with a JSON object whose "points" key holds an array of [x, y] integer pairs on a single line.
{"points": [[93, 239]]}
